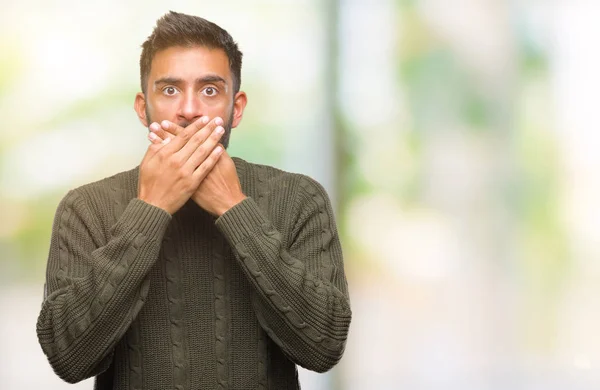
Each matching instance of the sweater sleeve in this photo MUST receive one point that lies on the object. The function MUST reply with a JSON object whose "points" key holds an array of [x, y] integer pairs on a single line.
{"points": [[95, 286], [302, 297]]}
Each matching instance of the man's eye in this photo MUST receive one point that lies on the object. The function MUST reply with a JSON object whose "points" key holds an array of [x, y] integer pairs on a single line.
{"points": [[209, 91], [170, 91]]}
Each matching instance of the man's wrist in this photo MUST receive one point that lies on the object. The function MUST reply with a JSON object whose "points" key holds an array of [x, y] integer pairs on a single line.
{"points": [[156, 204], [231, 204]]}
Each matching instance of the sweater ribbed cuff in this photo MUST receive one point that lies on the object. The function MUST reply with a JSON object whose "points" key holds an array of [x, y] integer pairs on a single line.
{"points": [[149, 220], [241, 221]]}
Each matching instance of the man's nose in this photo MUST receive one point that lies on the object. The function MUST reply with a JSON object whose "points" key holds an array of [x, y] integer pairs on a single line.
{"points": [[191, 107]]}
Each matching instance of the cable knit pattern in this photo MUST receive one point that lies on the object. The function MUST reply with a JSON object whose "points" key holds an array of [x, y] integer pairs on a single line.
{"points": [[135, 358], [199, 303], [220, 317], [177, 326], [262, 345], [263, 382]]}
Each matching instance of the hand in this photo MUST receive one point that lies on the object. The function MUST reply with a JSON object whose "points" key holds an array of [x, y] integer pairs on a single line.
{"points": [[220, 189], [172, 169]]}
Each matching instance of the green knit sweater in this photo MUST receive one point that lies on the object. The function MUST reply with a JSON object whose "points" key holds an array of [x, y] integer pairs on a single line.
{"points": [[145, 300]]}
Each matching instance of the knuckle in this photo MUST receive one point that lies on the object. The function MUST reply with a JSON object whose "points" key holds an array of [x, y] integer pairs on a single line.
{"points": [[174, 162], [208, 127], [198, 125], [187, 134], [211, 126], [180, 161], [191, 184], [202, 171], [160, 154], [186, 186], [198, 136], [179, 176], [212, 160]]}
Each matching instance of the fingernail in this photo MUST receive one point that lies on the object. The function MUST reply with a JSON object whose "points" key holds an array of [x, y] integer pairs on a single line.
{"points": [[154, 126], [220, 130], [166, 140], [204, 119], [165, 124], [218, 149], [218, 121], [152, 136]]}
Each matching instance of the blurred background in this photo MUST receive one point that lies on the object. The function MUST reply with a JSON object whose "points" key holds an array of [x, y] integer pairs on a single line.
{"points": [[456, 139]]}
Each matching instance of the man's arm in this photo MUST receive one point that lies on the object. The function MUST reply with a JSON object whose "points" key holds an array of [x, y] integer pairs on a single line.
{"points": [[95, 289], [301, 295]]}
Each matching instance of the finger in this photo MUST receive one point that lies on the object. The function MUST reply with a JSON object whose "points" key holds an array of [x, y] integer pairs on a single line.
{"points": [[174, 128], [199, 137], [181, 139], [157, 140], [205, 148], [208, 164], [225, 151], [160, 132], [153, 138], [199, 124]]}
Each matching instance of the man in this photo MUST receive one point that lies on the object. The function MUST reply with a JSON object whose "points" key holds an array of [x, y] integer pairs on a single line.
{"points": [[194, 270]]}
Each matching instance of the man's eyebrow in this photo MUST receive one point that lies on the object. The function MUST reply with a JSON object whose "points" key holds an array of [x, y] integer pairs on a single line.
{"points": [[201, 80], [168, 80], [211, 79]]}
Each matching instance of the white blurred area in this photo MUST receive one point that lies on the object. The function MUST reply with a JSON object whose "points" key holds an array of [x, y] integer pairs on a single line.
{"points": [[472, 245]]}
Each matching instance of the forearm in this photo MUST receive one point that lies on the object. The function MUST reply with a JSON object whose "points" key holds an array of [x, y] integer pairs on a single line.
{"points": [[84, 316], [308, 315]]}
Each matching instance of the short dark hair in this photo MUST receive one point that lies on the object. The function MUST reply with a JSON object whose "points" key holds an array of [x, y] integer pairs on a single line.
{"points": [[177, 29]]}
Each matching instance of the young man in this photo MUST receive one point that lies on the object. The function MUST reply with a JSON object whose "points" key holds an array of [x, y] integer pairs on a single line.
{"points": [[194, 270]]}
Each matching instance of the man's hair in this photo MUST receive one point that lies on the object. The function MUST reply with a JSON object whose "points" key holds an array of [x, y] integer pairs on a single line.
{"points": [[177, 29]]}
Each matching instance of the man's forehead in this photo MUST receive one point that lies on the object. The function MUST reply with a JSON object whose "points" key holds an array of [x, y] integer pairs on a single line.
{"points": [[190, 63]]}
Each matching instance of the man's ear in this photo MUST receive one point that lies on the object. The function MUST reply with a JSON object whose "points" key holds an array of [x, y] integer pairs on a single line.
{"points": [[139, 105], [239, 104]]}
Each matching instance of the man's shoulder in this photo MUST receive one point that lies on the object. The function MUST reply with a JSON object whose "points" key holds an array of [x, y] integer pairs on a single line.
{"points": [[270, 174], [272, 177], [119, 185]]}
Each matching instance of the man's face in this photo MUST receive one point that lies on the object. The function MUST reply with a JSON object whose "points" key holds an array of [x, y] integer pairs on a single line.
{"points": [[186, 83]]}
